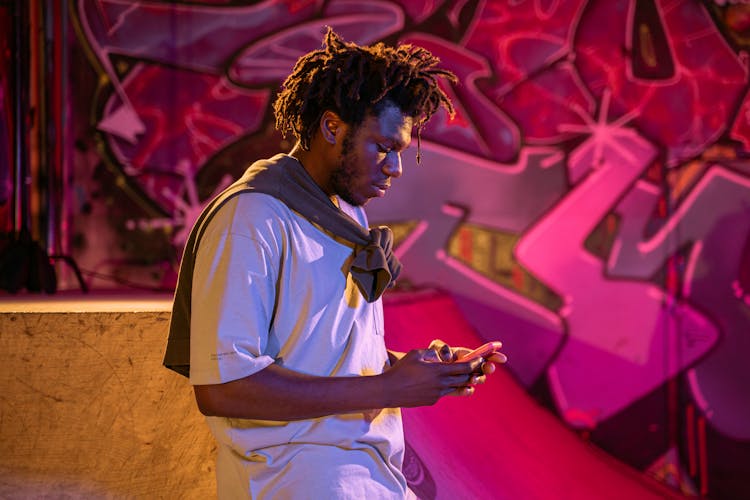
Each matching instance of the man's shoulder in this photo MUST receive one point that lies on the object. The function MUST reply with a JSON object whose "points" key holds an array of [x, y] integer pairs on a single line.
{"points": [[247, 213], [251, 209]]}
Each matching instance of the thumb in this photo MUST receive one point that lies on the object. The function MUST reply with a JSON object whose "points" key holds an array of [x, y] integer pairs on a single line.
{"points": [[431, 355]]}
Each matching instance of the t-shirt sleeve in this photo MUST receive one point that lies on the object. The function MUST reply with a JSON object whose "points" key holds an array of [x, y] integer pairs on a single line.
{"points": [[233, 296]]}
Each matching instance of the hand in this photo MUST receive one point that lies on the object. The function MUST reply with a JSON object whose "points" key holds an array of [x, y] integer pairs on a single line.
{"points": [[447, 354], [421, 378]]}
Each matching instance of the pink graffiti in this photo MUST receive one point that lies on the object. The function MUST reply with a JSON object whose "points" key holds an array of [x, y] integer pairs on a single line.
{"points": [[197, 37], [486, 130], [529, 46], [714, 219], [194, 111], [204, 114], [519, 39], [740, 130], [270, 59], [194, 37], [685, 111], [620, 332]]}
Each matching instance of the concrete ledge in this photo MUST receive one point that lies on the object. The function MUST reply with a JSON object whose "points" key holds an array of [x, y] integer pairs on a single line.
{"points": [[87, 409]]}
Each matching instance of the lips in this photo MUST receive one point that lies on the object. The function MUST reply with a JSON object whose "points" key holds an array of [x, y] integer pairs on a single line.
{"points": [[381, 188]]}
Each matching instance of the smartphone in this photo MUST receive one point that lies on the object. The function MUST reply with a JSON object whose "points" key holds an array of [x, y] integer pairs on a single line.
{"points": [[482, 351]]}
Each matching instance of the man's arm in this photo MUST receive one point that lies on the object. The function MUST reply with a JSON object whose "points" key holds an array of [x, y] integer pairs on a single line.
{"points": [[394, 356], [278, 393]]}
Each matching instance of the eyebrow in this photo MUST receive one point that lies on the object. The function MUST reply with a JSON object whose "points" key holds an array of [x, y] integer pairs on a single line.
{"points": [[395, 143]]}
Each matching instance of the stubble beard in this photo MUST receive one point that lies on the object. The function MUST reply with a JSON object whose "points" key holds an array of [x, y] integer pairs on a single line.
{"points": [[341, 178]]}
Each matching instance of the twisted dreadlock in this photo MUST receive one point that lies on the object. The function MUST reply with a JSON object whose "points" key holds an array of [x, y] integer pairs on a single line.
{"points": [[354, 81]]}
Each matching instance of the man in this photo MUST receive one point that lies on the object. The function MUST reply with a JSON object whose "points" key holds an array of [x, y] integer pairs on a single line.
{"points": [[280, 290]]}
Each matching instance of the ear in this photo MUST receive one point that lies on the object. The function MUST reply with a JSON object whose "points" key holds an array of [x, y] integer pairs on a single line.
{"points": [[331, 126]]}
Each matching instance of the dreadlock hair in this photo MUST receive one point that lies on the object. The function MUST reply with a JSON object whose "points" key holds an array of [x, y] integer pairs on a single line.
{"points": [[354, 81]]}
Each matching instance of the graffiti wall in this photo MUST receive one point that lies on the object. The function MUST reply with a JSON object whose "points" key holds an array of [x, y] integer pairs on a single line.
{"points": [[589, 203]]}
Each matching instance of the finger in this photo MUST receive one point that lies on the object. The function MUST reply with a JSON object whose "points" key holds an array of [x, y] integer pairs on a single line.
{"points": [[457, 381], [445, 353], [497, 357], [431, 355], [488, 368], [476, 364], [464, 367], [461, 351], [458, 369], [477, 379], [451, 391], [436, 344], [465, 391]]}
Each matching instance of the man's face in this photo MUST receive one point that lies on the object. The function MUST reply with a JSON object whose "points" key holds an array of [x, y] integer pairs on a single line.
{"points": [[371, 155]]}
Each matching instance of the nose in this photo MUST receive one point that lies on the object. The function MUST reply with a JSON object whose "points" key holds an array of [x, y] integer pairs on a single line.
{"points": [[392, 164]]}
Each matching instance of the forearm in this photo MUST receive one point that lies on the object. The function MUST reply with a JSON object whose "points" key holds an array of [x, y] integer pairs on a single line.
{"points": [[277, 393], [394, 356], [417, 378]]}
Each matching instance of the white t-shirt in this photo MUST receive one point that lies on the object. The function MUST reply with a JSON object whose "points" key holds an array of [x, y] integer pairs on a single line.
{"points": [[269, 286]]}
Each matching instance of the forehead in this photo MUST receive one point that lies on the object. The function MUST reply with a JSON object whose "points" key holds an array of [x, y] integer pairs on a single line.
{"points": [[389, 125]]}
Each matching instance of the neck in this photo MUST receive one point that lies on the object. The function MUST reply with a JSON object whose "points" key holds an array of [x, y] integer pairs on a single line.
{"points": [[314, 165]]}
